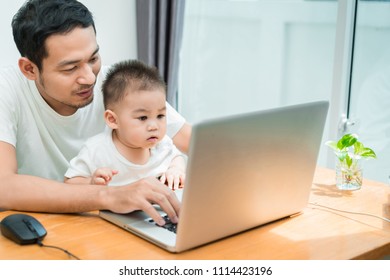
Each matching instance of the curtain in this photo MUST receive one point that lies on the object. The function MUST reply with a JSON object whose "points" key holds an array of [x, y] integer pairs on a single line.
{"points": [[159, 35]]}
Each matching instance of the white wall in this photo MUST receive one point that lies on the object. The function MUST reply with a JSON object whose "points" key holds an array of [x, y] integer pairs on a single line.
{"points": [[115, 23], [8, 52], [244, 56], [116, 27]]}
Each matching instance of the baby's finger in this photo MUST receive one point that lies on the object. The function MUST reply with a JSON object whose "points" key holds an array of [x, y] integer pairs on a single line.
{"points": [[100, 181], [176, 182], [114, 172], [109, 176], [163, 178], [170, 181], [182, 180]]}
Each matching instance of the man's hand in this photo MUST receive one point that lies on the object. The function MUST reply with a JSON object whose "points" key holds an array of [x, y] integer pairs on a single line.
{"points": [[141, 195]]}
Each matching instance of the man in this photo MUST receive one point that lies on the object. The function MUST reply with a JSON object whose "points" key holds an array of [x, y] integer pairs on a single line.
{"points": [[51, 105]]}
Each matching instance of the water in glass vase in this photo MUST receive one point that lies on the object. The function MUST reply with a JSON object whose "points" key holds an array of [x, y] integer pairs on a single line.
{"points": [[349, 178]]}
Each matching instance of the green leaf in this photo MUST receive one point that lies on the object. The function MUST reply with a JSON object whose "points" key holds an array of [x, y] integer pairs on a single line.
{"points": [[348, 160], [341, 155], [343, 149], [347, 141], [367, 152], [358, 148], [332, 144]]}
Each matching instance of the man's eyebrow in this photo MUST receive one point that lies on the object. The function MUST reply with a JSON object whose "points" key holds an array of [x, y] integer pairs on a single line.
{"points": [[69, 62]]}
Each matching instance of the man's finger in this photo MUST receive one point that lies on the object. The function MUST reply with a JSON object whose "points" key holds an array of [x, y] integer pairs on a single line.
{"points": [[168, 203], [152, 212]]}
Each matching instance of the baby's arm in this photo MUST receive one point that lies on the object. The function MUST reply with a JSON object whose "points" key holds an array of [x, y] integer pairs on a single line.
{"points": [[78, 180], [102, 176], [175, 175]]}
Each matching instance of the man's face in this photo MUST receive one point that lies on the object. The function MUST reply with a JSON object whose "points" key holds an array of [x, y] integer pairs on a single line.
{"points": [[68, 74]]}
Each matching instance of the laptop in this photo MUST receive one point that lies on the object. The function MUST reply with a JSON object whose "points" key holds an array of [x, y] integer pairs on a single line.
{"points": [[243, 171]]}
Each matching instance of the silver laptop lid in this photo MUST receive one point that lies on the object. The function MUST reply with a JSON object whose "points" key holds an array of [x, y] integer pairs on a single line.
{"points": [[248, 170]]}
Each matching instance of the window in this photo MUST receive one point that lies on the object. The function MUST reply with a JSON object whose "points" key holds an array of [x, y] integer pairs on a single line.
{"points": [[370, 85], [240, 56]]}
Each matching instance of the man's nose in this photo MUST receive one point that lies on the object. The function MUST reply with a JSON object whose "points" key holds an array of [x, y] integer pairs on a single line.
{"points": [[87, 76]]}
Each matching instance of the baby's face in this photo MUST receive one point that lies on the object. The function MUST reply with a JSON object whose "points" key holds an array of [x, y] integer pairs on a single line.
{"points": [[142, 119]]}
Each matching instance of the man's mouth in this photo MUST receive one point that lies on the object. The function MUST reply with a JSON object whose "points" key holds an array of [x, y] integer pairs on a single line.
{"points": [[85, 93]]}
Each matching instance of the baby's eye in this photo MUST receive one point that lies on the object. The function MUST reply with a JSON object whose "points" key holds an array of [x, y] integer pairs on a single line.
{"points": [[143, 118], [161, 116]]}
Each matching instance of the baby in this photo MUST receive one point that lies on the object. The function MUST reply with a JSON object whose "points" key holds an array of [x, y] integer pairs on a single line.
{"points": [[134, 145]]}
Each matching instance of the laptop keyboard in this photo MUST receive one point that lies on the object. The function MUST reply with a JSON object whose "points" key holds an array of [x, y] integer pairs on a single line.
{"points": [[168, 224]]}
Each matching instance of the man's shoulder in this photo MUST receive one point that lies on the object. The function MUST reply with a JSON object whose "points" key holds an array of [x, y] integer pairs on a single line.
{"points": [[11, 74], [14, 85]]}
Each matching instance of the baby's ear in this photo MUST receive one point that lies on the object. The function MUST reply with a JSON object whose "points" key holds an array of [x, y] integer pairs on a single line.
{"points": [[111, 119]]}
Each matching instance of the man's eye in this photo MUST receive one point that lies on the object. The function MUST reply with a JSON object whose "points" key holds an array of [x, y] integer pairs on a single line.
{"points": [[70, 69], [94, 59]]}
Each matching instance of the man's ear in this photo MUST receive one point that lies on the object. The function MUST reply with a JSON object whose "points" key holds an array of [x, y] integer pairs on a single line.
{"points": [[111, 119], [28, 68]]}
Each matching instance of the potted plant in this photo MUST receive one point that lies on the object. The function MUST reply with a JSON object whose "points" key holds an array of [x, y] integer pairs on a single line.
{"points": [[349, 152]]}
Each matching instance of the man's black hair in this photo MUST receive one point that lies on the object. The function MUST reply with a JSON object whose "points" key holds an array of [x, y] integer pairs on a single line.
{"points": [[36, 20]]}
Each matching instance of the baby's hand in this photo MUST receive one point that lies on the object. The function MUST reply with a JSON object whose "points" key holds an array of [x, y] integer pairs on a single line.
{"points": [[103, 176], [174, 178]]}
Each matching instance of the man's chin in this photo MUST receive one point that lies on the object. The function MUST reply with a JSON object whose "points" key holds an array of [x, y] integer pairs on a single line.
{"points": [[84, 103]]}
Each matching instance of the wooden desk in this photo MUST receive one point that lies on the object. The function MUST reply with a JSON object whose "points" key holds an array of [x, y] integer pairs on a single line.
{"points": [[318, 233]]}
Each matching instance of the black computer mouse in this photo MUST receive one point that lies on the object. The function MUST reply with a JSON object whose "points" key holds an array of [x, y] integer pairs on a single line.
{"points": [[22, 229]]}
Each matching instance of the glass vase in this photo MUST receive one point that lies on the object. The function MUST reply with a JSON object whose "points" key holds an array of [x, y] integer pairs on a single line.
{"points": [[349, 178]]}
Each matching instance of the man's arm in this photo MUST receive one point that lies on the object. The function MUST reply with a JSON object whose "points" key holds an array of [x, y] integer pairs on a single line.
{"points": [[182, 138], [31, 193]]}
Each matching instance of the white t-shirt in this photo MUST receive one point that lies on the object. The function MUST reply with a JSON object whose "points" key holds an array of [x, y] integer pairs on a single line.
{"points": [[46, 141], [100, 151]]}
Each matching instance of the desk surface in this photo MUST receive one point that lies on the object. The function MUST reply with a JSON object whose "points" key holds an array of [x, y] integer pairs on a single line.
{"points": [[318, 233]]}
